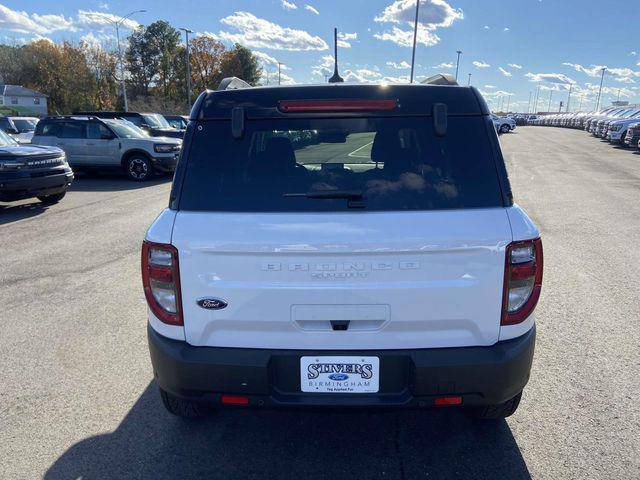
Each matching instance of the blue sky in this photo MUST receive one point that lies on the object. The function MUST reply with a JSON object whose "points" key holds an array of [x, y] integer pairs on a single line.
{"points": [[511, 47]]}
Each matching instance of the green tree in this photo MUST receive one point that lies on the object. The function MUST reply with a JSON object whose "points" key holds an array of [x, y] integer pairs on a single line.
{"points": [[241, 62]]}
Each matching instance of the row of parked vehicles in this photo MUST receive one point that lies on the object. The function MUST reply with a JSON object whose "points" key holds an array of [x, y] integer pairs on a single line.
{"points": [[618, 125], [38, 158]]}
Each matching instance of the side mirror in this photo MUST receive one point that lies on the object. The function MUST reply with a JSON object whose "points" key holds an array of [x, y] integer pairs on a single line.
{"points": [[144, 125]]}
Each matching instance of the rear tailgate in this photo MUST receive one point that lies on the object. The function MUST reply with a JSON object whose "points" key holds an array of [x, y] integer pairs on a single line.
{"points": [[418, 279]]}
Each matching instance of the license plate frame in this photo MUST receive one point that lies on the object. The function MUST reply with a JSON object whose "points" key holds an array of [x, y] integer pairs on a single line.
{"points": [[340, 374]]}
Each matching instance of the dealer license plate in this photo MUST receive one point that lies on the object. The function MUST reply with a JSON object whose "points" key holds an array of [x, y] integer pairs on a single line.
{"points": [[340, 374]]}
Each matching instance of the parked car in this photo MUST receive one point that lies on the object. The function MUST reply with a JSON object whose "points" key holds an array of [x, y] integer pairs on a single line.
{"points": [[382, 262], [632, 138], [616, 130], [503, 124], [152, 123], [30, 171], [179, 122], [96, 144], [19, 128]]}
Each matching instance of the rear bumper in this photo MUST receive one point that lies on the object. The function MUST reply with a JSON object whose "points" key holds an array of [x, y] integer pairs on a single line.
{"points": [[24, 184], [408, 378]]}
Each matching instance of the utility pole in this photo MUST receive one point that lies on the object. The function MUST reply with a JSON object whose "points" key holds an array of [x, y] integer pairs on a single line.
{"points": [[529, 104], [469, 82], [458, 63], [569, 97], [535, 109], [604, 69], [550, 96], [186, 33], [581, 98], [117, 24], [415, 37]]}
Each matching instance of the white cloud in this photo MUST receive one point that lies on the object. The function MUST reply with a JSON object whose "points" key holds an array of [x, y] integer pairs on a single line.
{"points": [[270, 77], [398, 79], [23, 22], [515, 65], [101, 20], [288, 5], [558, 78], [361, 75], [506, 29], [444, 65], [344, 39], [312, 9], [254, 32], [504, 72], [103, 5], [399, 66], [633, 53], [404, 38], [487, 27], [97, 40], [620, 74], [480, 64], [489, 86], [268, 60], [433, 14], [324, 67]]}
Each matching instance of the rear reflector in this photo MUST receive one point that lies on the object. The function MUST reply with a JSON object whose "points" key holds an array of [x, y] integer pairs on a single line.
{"points": [[234, 400], [312, 106], [443, 401]]}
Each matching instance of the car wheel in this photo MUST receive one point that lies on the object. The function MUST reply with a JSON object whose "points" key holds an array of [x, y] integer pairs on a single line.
{"points": [[139, 168], [51, 199], [504, 128], [182, 408], [496, 412]]}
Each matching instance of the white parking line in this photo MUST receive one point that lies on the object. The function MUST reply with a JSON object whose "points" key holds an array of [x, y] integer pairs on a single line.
{"points": [[358, 149]]}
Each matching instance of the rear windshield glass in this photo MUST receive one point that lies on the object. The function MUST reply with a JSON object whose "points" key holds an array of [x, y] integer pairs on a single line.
{"points": [[371, 164]]}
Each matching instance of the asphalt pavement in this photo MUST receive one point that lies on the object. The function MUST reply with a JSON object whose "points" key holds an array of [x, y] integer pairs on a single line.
{"points": [[77, 399]]}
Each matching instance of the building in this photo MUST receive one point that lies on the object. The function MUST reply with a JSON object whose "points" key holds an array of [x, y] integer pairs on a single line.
{"points": [[19, 100]]}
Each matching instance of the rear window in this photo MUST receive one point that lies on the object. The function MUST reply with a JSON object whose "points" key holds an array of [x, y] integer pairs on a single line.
{"points": [[374, 164]]}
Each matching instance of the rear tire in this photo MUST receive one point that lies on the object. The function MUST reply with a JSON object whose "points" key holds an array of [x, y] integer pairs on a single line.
{"points": [[504, 128], [182, 408], [139, 168], [496, 412], [51, 199]]}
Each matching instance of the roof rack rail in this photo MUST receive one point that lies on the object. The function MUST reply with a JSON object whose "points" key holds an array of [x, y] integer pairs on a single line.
{"points": [[440, 79], [233, 83], [77, 115]]}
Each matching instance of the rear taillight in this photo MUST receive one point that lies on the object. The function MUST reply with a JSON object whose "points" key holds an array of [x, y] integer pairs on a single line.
{"points": [[522, 280], [161, 281]]}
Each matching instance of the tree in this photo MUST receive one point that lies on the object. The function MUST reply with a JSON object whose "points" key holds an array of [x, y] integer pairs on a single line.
{"points": [[240, 62], [206, 56]]}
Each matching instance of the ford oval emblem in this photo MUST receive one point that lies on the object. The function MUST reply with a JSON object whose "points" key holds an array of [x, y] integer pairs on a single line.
{"points": [[212, 303], [338, 377]]}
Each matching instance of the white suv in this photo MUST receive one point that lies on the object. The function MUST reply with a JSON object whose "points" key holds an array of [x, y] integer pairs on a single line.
{"points": [[94, 144], [340, 245]]}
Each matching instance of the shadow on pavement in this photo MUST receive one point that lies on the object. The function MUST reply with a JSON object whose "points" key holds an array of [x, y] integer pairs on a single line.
{"points": [[112, 182], [12, 213], [237, 444]]}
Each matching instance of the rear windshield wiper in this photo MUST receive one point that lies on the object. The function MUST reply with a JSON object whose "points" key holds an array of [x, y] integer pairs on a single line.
{"points": [[353, 196]]}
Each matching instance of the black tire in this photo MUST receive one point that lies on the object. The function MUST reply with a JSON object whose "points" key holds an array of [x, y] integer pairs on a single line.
{"points": [[138, 168], [182, 408], [496, 412], [505, 128], [51, 199]]}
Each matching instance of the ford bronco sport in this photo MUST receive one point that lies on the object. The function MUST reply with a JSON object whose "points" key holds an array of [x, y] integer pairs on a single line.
{"points": [[340, 245]]}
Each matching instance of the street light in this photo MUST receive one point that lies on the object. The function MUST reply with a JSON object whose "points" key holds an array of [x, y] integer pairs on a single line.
{"points": [[117, 23], [458, 63], [569, 97], [604, 69], [550, 96], [187, 31], [415, 37]]}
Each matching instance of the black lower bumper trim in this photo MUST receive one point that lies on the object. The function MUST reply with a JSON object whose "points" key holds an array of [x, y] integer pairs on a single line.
{"points": [[481, 375]]}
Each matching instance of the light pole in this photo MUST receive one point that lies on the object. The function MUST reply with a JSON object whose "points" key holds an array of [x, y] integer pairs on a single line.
{"points": [[581, 98], [535, 108], [569, 97], [604, 69], [415, 37], [529, 104], [550, 96], [117, 25], [458, 63], [508, 102], [469, 82], [186, 34]]}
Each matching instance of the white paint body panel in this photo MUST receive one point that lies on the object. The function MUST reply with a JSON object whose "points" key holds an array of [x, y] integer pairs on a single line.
{"points": [[404, 279]]}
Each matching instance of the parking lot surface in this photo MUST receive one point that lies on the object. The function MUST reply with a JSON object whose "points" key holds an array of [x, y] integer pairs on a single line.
{"points": [[77, 398]]}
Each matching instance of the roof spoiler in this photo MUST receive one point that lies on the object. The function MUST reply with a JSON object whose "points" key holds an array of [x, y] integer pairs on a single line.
{"points": [[440, 79], [233, 83]]}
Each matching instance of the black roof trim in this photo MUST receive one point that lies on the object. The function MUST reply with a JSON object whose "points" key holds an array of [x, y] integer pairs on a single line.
{"points": [[413, 99]]}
